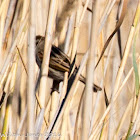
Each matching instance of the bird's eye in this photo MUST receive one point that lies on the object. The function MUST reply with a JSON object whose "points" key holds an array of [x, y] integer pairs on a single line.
{"points": [[37, 42]]}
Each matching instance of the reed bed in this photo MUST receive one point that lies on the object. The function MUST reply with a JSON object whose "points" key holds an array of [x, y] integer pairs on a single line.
{"points": [[101, 37]]}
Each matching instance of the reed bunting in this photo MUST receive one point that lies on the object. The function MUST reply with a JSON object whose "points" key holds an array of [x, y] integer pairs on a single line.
{"points": [[59, 62]]}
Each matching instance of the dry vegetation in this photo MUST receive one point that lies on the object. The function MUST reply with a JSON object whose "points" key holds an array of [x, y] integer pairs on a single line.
{"points": [[81, 28]]}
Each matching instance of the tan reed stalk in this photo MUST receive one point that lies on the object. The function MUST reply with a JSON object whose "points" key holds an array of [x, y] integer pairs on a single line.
{"points": [[66, 48], [9, 17], [118, 92], [5, 91], [8, 34], [114, 107], [76, 32], [104, 131], [39, 17], [2, 22], [48, 42], [40, 106], [9, 100], [20, 126], [23, 82], [25, 11], [124, 117], [37, 98], [6, 119], [70, 126], [134, 114], [75, 44], [2, 6], [54, 104], [62, 37], [12, 90], [12, 49], [4, 78], [135, 111], [45, 5], [135, 105], [95, 109], [101, 41], [83, 12], [64, 89], [106, 13], [76, 130], [7, 78], [70, 31], [125, 80], [47, 110], [61, 40], [65, 130], [127, 48], [39, 121], [46, 115], [19, 48], [120, 72], [115, 97], [134, 128], [87, 102], [31, 73], [68, 97], [64, 125]]}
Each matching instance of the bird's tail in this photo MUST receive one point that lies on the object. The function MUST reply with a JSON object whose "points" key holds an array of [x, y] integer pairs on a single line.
{"points": [[95, 87]]}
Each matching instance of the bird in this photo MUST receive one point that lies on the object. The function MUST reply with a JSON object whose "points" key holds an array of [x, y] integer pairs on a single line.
{"points": [[59, 62]]}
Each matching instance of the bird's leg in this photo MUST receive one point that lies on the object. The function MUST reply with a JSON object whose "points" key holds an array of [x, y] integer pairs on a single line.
{"points": [[95, 87], [55, 86]]}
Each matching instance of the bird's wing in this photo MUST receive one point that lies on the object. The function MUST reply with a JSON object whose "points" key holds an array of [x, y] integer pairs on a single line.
{"points": [[59, 60]]}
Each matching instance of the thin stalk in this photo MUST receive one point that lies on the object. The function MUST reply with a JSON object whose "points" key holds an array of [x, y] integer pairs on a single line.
{"points": [[87, 103], [127, 48], [76, 33], [48, 42], [54, 104], [9, 101], [12, 49], [31, 73], [115, 97], [56, 118]]}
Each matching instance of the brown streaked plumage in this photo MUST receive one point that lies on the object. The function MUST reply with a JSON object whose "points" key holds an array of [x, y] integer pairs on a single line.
{"points": [[59, 62]]}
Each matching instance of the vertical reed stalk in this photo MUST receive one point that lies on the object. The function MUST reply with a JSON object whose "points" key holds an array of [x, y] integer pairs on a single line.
{"points": [[43, 90], [31, 74], [87, 103]]}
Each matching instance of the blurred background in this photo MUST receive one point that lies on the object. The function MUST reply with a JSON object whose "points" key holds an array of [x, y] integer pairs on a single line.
{"points": [[15, 24]]}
